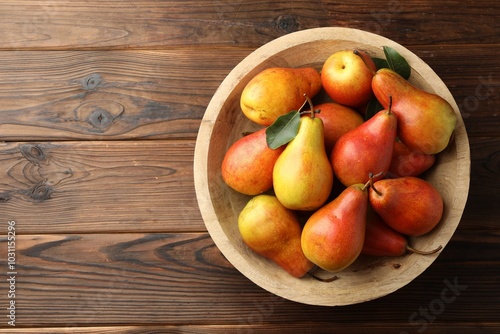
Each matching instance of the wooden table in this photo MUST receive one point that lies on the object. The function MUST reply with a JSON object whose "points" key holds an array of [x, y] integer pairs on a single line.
{"points": [[100, 103]]}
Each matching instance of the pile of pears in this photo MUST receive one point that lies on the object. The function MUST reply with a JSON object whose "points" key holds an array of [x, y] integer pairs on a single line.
{"points": [[335, 183]]}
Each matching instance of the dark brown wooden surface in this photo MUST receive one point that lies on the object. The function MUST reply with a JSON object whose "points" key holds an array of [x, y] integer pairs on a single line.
{"points": [[100, 103]]}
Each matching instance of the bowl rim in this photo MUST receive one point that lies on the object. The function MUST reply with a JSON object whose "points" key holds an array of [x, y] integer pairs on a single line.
{"points": [[259, 56]]}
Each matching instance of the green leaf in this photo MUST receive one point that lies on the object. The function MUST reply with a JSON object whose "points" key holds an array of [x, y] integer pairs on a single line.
{"points": [[283, 130], [372, 108], [397, 63], [380, 63]]}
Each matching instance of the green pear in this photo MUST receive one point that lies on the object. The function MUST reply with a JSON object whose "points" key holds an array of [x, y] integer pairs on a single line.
{"points": [[274, 232], [248, 164], [276, 91], [366, 149], [333, 236], [302, 174], [409, 205], [426, 121]]}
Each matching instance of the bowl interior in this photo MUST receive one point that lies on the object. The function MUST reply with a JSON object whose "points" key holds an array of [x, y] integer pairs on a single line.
{"points": [[223, 123]]}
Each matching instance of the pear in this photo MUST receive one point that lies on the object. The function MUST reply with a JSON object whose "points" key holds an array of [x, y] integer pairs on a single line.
{"points": [[248, 164], [276, 91], [332, 238], [407, 162], [337, 120], [366, 149], [426, 121], [274, 232], [381, 240], [409, 205], [302, 174], [346, 77]]}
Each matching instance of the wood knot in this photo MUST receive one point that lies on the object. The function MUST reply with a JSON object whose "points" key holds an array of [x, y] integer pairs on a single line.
{"points": [[100, 114], [92, 81], [5, 196], [100, 118], [40, 192], [286, 24], [33, 153]]}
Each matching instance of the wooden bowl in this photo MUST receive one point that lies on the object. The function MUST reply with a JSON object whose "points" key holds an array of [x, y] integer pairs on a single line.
{"points": [[223, 123]]}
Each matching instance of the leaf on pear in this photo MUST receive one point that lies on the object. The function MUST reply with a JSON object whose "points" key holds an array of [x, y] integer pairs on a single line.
{"points": [[397, 63], [283, 130], [372, 108], [380, 63]]}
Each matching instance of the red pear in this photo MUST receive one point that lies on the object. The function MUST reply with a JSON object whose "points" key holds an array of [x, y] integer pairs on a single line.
{"points": [[248, 165], [337, 120], [410, 205], [346, 77], [426, 121], [381, 240], [333, 236], [366, 149], [407, 162]]}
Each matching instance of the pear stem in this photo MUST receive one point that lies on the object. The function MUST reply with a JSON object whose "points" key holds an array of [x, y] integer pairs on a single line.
{"points": [[375, 190], [247, 133], [303, 104], [389, 109], [366, 185], [372, 176], [325, 280], [413, 250], [311, 110], [311, 106]]}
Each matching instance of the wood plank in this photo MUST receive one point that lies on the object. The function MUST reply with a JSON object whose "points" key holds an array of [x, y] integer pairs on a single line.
{"points": [[108, 95], [177, 279], [99, 186], [105, 95], [317, 328], [484, 193], [94, 24], [124, 186]]}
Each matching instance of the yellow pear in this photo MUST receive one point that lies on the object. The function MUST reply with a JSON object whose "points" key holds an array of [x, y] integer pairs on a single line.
{"points": [[273, 231], [302, 174], [276, 91]]}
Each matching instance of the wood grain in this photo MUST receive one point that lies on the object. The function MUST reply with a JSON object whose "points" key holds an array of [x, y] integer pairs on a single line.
{"points": [[96, 186], [59, 25], [107, 95], [95, 279]]}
